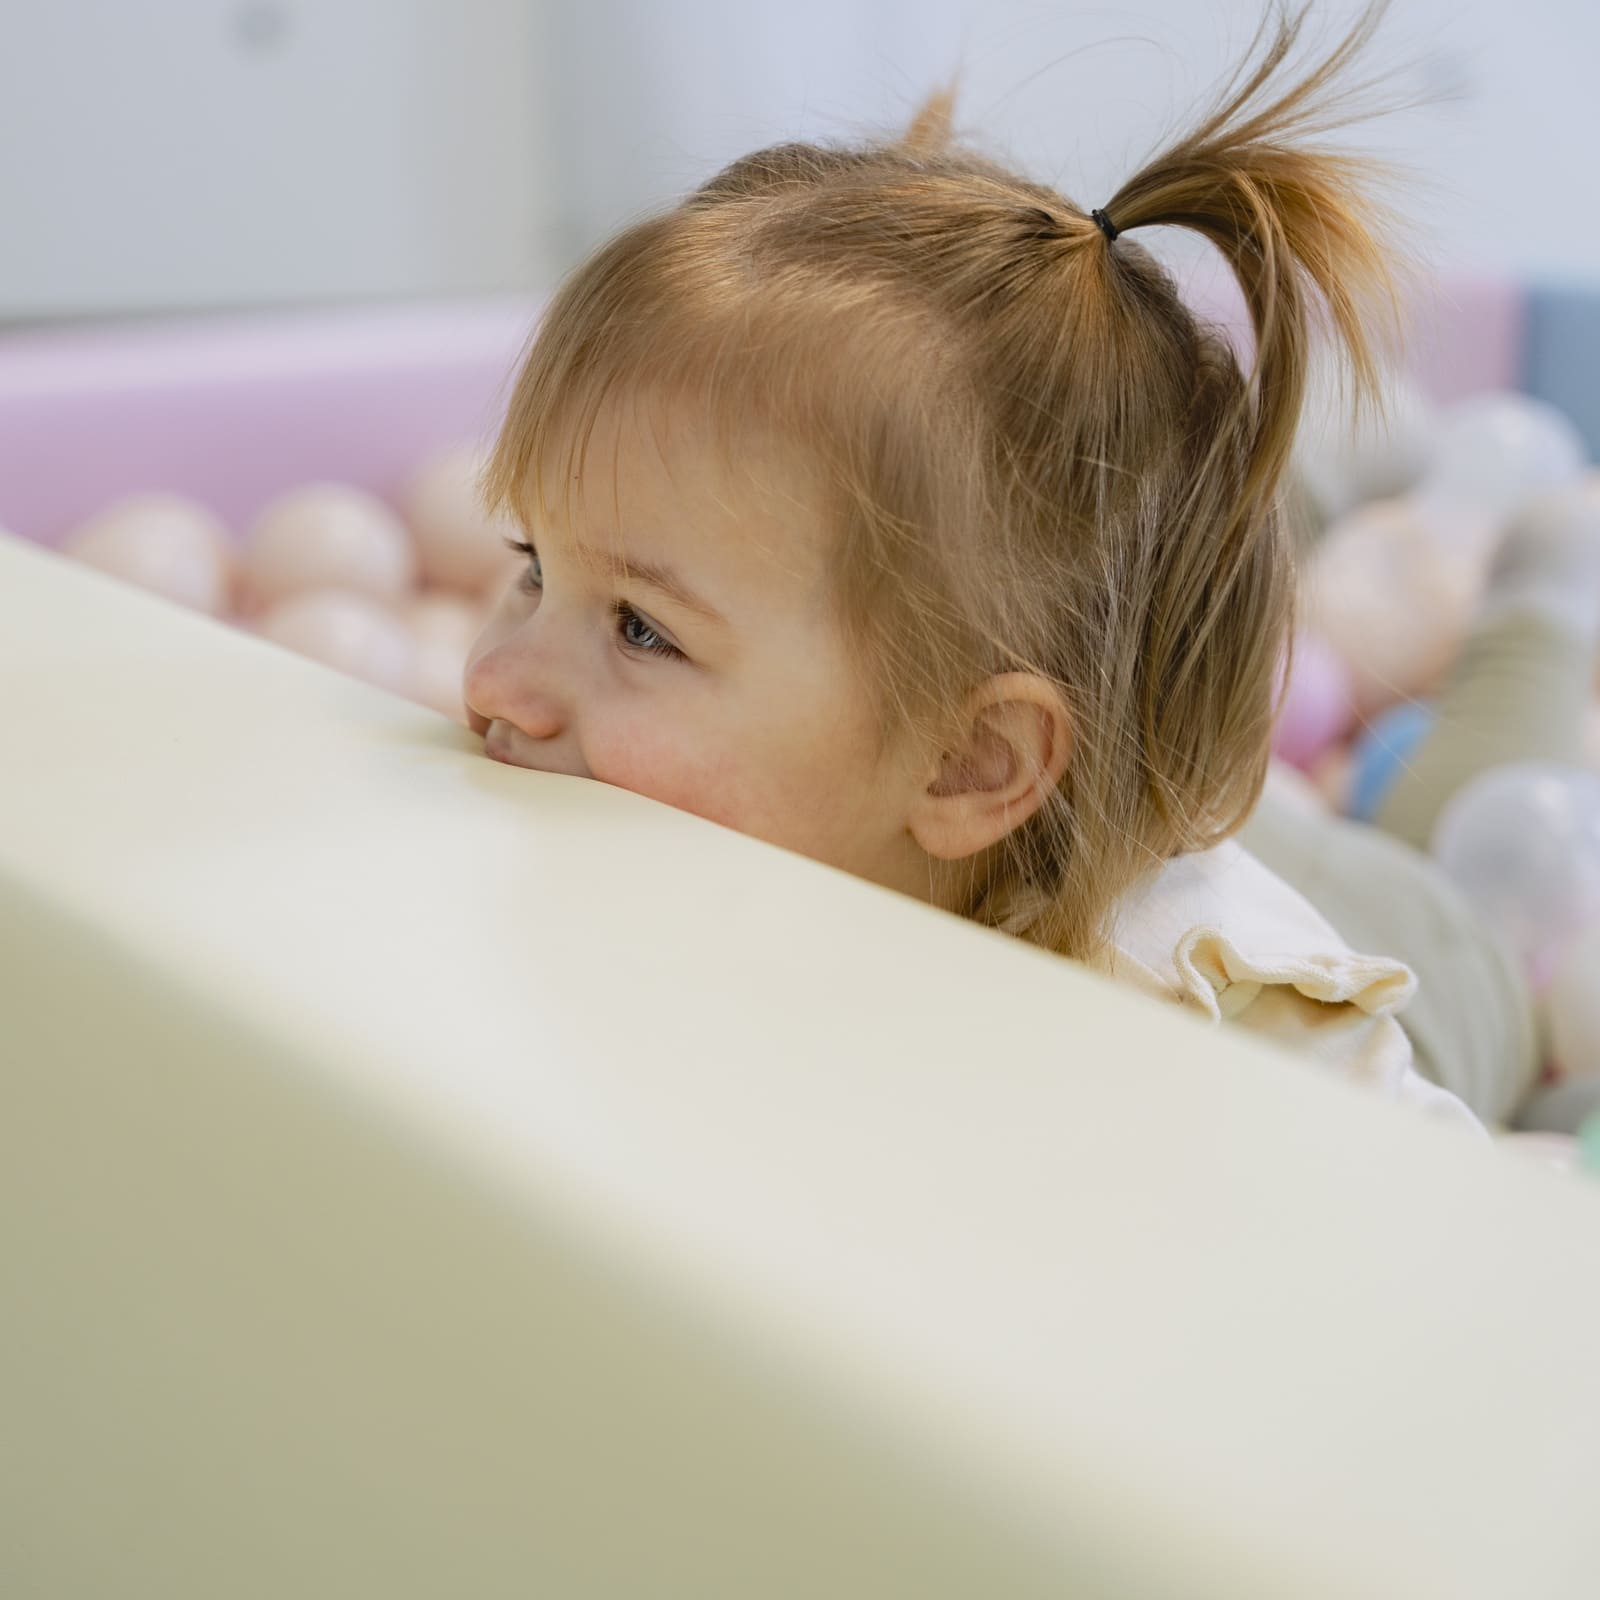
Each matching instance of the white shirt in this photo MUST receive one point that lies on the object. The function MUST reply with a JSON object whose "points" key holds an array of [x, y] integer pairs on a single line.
{"points": [[1218, 933]]}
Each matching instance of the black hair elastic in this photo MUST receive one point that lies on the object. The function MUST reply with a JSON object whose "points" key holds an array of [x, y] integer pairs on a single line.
{"points": [[1106, 225]]}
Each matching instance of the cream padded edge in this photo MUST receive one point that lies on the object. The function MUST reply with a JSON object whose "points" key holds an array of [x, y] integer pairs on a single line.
{"points": [[418, 1167]]}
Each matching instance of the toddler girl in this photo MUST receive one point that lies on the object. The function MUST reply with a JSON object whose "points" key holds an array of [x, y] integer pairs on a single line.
{"points": [[893, 508]]}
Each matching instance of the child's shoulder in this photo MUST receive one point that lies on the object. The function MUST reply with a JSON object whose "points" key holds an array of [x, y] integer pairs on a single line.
{"points": [[1217, 921], [1218, 932]]}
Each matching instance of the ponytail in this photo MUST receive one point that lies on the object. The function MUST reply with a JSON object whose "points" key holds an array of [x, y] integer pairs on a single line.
{"points": [[1300, 226], [1205, 563], [1310, 246]]}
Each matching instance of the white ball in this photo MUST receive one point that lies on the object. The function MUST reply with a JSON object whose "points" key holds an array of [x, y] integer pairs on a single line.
{"points": [[1345, 459], [1291, 789], [1572, 1006], [1393, 594], [162, 542], [326, 536], [1497, 450], [348, 632], [1522, 842], [458, 543]]}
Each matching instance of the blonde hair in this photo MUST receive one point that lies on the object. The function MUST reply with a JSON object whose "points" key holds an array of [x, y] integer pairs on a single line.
{"points": [[1035, 456]]}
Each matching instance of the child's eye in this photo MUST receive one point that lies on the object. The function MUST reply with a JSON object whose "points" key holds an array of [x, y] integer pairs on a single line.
{"points": [[637, 634], [533, 578], [632, 629]]}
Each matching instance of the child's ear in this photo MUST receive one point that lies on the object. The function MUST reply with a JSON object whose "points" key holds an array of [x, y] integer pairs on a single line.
{"points": [[1007, 754]]}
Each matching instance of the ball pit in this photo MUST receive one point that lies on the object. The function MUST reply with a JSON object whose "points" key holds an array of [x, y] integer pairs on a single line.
{"points": [[1496, 450], [1345, 460], [330, 571], [1418, 501], [1522, 842], [166, 543], [1317, 706], [326, 536], [1392, 592], [1415, 509], [458, 545], [350, 632]]}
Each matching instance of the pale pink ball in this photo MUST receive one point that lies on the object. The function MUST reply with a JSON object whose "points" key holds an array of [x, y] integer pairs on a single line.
{"points": [[326, 536], [1318, 705], [436, 615], [1331, 774], [458, 543], [1393, 595], [162, 542], [440, 671], [444, 626], [349, 632]]}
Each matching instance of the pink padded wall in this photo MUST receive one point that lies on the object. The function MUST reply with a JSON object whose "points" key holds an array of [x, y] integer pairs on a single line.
{"points": [[1466, 334], [235, 410]]}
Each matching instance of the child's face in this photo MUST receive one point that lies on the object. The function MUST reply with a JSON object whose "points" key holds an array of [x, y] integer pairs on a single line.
{"points": [[677, 639]]}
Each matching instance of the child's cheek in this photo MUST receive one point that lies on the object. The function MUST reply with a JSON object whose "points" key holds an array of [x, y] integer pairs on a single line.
{"points": [[672, 770]]}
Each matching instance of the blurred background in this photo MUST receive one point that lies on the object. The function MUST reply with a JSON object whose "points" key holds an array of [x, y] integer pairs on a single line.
{"points": [[191, 155]]}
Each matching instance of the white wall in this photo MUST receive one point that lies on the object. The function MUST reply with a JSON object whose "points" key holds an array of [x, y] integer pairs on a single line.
{"points": [[177, 154], [659, 96], [158, 154]]}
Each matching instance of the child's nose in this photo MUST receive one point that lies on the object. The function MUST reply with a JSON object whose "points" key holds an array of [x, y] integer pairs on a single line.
{"points": [[505, 683]]}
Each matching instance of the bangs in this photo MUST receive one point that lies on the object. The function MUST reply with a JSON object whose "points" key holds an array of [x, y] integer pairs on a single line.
{"points": [[686, 317], [629, 331]]}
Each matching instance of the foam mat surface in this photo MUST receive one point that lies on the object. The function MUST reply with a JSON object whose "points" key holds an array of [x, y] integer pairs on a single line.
{"points": [[420, 1176]]}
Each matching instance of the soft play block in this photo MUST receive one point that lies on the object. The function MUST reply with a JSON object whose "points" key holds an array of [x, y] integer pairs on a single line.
{"points": [[421, 1176], [1562, 361]]}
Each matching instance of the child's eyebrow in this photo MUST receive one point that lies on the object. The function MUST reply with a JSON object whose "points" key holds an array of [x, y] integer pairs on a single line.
{"points": [[655, 576]]}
